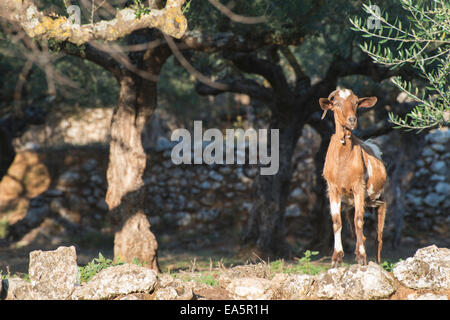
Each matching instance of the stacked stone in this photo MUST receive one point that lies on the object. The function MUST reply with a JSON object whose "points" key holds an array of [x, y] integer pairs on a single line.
{"points": [[428, 202], [76, 201], [205, 197]]}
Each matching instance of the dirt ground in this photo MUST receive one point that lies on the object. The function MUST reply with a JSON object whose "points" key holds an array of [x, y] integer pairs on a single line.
{"points": [[225, 253]]}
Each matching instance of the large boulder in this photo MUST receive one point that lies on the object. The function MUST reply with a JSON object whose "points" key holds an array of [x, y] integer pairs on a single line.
{"points": [[116, 281], [355, 283], [53, 274], [428, 269]]}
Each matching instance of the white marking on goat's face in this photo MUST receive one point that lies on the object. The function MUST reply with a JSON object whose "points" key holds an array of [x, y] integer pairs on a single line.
{"points": [[344, 93], [335, 208], [338, 240]]}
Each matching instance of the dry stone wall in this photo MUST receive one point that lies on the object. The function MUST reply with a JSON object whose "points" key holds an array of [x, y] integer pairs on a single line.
{"points": [[428, 201], [203, 198]]}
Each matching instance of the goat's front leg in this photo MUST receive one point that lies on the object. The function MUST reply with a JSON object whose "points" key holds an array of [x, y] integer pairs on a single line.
{"points": [[335, 208], [360, 251]]}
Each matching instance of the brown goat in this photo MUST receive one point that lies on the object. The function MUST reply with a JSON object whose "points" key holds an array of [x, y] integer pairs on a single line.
{"points": [[354, 172]]}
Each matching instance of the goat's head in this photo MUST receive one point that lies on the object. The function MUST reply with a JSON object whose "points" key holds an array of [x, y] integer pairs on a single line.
{"points": [[344, 104]]}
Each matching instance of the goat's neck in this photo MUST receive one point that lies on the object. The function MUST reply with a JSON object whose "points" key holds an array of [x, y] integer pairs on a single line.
{"points": [[342, 133]]}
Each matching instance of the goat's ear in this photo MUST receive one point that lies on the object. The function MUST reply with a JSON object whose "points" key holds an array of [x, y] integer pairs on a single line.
{"points": [[326, 105], [367, 102]]}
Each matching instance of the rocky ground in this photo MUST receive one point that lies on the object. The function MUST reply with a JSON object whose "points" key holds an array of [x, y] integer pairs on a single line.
{"points": [[55, 275]]}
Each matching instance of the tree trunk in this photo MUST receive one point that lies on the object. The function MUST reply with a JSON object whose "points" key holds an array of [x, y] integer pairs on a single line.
{"points": [[265, 231], [127, 161]]}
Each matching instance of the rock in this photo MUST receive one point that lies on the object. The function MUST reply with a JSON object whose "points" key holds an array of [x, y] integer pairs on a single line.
{"points": [[118, 280], [438, 147], [97, 179], [208, 215], [420, 163], [356, 282], [251, 289], [292, 287], [35, 216], [54, 193], [15, 289], [90, 164], [171, 293], [414, 200], [298, 194], [427, 296], [439, 167], [183, 218], [427, 152], [428, 269], [162, 143], [102, 205], [68, 178], [437, 177], [292, 210], [168, 293], [246, 271], [443, 187], [53, 274], [216, 176], [169, 288], [205, 185], [433, 199]]}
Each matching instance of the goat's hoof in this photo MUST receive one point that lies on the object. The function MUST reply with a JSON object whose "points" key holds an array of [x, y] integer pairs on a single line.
{"points": [[362, 260], [336, 260]]}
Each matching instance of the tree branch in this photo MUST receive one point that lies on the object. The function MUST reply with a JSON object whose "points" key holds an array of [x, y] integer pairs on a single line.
{"points": [[245, 86], [298, 71], [36, 24], [230, 41], [271, 72]]}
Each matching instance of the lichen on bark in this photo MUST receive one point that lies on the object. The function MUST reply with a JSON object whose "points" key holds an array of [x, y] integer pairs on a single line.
{"points": [[36, 24]]}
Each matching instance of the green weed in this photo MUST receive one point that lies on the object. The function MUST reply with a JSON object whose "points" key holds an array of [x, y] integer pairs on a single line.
{"points": [[303, 265], [95, 266]]}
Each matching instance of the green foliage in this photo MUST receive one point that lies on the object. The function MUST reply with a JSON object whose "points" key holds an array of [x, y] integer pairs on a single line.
{"points": [[139, 8], [8, 275], [388, 266], [421, 42], [303, 265], [95, 266], [209, 278]]}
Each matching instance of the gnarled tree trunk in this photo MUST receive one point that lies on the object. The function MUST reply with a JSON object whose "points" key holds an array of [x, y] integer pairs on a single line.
{"points": [[127, 161]]}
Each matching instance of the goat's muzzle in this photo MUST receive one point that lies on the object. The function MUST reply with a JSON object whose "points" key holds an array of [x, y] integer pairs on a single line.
{"points": [[351, 123]]}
